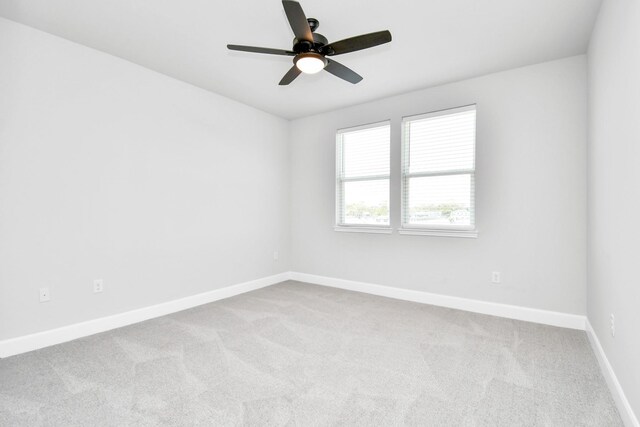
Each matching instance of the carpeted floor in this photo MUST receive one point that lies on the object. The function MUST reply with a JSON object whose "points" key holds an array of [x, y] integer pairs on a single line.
{"points": [[305, 355]]}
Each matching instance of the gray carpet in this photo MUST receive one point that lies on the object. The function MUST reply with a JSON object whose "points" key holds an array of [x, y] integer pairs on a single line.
{"points": [[298, 354]]}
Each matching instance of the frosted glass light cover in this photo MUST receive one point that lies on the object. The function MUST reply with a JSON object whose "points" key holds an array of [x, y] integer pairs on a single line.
{"points": [[310, 65]]}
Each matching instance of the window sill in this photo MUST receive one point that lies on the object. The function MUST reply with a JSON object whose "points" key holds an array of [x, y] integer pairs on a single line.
{"points": [[363, 229], [469, 234]]}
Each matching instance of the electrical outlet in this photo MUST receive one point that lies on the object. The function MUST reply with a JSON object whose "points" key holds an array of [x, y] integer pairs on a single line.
{"points": [[45, 295], [276, 256], [613, 325], [98, 285], [496, 277]]}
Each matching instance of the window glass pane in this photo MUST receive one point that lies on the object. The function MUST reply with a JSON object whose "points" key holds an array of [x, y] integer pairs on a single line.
{"points": [[440, 200], [366, 152], [442, 143], [366, 202]]}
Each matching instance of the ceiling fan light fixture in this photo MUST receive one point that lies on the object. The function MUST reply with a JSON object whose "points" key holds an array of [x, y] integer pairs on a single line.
{"points": [[310, 62], [310, 48]]}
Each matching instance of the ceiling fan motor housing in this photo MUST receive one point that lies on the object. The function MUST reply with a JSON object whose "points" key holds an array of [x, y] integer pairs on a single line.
{"points": [[300, 46]]}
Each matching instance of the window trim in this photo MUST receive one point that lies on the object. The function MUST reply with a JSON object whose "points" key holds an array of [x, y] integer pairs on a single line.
{"points": [[435, 229], [371, 229], [339, 188], [472, 234]]}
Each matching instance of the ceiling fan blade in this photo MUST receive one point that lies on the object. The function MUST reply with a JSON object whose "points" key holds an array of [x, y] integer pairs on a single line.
{"points": [[297, 20], [352, 44], [345, 73], [290, 76], [255, 49]]}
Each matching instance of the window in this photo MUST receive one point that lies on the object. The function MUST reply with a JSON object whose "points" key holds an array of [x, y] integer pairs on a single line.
{"points": [[362, 178], [438, 172]]}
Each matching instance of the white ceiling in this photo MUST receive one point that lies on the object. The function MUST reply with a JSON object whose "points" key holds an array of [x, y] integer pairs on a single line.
{"points": [[434, 41]]}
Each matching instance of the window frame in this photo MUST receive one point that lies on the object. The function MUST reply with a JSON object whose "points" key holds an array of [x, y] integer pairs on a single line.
{"points": [[453, 230], [340, 181]]}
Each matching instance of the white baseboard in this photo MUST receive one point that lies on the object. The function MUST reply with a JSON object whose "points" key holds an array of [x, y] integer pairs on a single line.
{"points": [[43, 339], [624, 407], [23, 344], [38, 340], [13, 346], [553, 318]]}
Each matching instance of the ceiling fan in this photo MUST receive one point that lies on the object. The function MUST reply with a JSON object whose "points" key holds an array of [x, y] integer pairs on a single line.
{"points": [[310, 49]]}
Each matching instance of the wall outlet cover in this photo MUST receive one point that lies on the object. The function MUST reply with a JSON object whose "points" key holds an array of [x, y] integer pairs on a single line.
{"points": [[496, 277], [98, 285], [613, 325]]}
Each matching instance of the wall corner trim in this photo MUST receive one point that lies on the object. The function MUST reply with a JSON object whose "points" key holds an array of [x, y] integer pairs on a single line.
{"points": [[624, 407], [546, 317], [23, 344]]}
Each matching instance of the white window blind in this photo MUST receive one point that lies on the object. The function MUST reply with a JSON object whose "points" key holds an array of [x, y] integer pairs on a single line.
{"points": [[438, 170], [362, 176]]}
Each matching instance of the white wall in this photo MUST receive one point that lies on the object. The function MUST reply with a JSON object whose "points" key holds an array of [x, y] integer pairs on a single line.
{"points": [[614, 189], [530, 191], [109, 170]]}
